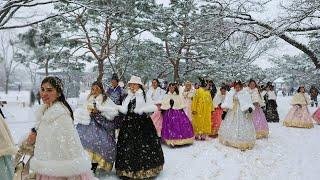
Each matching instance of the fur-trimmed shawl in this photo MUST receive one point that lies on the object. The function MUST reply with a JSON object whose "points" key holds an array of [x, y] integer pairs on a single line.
{"points": [[256, 96], [271, 95], [58, 151], [300, 98], [142, 106], [7, 146], [107, 108], [156, 95], [178, 102], [244, 100], [218, 99]]}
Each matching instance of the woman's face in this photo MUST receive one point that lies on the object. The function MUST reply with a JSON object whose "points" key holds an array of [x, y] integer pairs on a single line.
{"points": [[188, 87], [237, 88], [252, 85], [223, 91], [171, 89], [134, 87], [302, 90], [48, 94], [154, 84], [114, 83], [95, 90]]}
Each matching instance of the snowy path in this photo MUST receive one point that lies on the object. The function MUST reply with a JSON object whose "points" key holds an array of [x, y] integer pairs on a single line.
{"points": [[288, 154]]}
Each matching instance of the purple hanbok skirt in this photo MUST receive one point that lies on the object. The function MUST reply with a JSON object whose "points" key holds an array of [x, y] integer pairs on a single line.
{"points": [[176, 128], [260, 123]]}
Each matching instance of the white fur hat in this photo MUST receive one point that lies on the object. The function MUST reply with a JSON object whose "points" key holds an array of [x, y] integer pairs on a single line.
{"points": [[135, 80]]}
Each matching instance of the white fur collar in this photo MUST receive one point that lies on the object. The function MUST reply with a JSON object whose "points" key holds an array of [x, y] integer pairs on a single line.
{"points": [[142, 105]]}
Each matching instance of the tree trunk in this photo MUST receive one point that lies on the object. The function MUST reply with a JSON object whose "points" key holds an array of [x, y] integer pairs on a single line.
{"points": [[176, 76], [47, 68], [7, 84], [100, 70]]}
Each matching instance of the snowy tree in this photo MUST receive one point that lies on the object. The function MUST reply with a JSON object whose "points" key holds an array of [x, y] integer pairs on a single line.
{"points": [[301, 19], [11, 10], [46, 46], [7, 57], [102, 27]]}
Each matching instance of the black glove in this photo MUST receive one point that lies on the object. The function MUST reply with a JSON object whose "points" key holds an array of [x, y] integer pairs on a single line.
{"points": [[171, 103], [250, 110], [224, 115], [34, 130]]}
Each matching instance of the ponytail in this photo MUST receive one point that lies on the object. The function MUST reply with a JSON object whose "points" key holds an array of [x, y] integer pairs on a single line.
{"points": [[143, 92]]}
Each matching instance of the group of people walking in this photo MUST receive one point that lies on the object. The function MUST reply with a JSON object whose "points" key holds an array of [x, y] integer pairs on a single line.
{"points": [[124, 130]]}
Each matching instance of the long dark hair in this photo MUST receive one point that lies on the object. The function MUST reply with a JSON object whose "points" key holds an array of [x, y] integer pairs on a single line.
{"points": [[176, 89], [238, 83], [100, 85], [56, 83], [158, 82], [255, 83], [143, 92], [299, 89]]}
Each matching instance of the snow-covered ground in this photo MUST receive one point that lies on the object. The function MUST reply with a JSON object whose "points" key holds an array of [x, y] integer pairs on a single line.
{"points": [[288, 154]]}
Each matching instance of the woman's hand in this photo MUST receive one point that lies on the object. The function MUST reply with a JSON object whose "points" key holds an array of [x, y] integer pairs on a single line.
{"points": [[32, 138], [95, 111]]}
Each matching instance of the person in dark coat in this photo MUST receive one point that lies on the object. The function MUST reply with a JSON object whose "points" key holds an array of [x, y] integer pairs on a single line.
{"points": [[314, 92]]}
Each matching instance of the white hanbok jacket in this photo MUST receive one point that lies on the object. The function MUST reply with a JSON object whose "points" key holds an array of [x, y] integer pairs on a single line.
{"points": [[107, 108], [156, 95], [7, 146], [244, 100], [142, 106], [271, 95], [58, 151], [256, 96]]}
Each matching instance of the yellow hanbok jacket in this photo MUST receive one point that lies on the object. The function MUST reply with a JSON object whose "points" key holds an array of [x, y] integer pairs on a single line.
{"points": [[202, 106]]}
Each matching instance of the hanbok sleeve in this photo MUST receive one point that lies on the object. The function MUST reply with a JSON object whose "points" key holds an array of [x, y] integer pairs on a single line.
{"points": [[245, 100], [195, 101], [108, 109], [124, 107], [228, 101], [165, 104], [149, 107]]}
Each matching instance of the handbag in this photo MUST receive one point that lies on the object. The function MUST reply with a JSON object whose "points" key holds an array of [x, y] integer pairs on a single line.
{"points": [[21, 171]]}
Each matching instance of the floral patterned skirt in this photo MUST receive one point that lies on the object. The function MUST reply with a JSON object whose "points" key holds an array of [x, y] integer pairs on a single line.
{"points": [[298, 117], [98, 139]]}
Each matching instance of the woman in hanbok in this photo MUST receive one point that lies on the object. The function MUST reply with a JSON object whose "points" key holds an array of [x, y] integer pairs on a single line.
{"points": [[270, 99], [187, 95], [58, 152], [96, 128], [156, 94], [299, 115], [316, 115], [202, 107], [117, 94], [259, 119], [7, 150], [237, 130], [218, 111], [139, 152], [177, 128]]}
